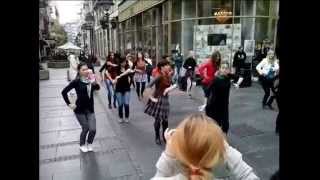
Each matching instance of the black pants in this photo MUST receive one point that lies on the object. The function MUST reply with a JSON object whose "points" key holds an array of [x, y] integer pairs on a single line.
{"points": [[267, 85], [140, 86], [157, 124]]}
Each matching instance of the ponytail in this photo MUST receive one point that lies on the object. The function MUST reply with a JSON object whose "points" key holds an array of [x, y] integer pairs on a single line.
{"points": [[199, 174]]}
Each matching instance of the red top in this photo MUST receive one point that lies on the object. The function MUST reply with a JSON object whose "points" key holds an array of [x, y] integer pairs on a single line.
{"points": [[112, 70], [155, 72], [207, 71]]}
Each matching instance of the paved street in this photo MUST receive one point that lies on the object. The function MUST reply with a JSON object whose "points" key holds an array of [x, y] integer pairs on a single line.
{"points": [[128, 151]]}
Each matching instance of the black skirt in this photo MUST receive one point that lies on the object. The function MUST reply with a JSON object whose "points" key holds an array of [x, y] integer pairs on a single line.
{"points": [[158, 110]]}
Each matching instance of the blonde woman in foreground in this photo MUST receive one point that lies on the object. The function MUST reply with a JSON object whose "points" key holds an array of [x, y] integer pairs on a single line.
{"points": [[197, 150]]}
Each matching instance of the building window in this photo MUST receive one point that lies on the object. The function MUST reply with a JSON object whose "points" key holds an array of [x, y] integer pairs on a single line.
{"points": [[165, 11], [244, 7], [175, 35], [188, 27], [263, 7], [189, 10], [210, 8], [176, 9]]}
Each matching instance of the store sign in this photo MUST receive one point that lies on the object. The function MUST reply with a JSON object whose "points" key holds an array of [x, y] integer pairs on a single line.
{"points": [[222, 15]]}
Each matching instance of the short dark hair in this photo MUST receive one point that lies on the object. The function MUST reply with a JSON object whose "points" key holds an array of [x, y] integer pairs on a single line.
{"points": [[164, 57], [162, 63], [80, 65]]}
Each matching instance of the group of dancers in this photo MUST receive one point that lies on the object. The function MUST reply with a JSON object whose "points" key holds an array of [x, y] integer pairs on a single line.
{"points": [[153, 86]]}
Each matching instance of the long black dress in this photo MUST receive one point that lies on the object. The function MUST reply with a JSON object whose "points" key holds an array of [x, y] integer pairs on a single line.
{"points": [[218, 102]]}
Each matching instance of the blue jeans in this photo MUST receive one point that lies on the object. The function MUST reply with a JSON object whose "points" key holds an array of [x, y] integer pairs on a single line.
{"points": [[110, 90], [123, 101]]}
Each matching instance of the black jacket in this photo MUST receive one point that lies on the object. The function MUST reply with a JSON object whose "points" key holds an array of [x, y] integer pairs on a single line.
{"points": [[190, 62], [218, 102], [83, 102], [239, 62]]}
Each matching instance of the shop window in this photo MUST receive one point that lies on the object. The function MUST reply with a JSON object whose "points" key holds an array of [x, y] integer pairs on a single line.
{"points": [[153, 51], [175, 35], [189, 8], [274, 8], [263, 7], [211, 21], [165, 10], [165, 39], [244, 7], [176, 9], [146, 18], [214, 7], [261, 29], [188, 28]]}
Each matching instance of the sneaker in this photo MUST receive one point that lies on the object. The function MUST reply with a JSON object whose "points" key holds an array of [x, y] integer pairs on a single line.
{"points": [[201, 108], [89, 147], [83, 148], [126, 120], [120, 120]]}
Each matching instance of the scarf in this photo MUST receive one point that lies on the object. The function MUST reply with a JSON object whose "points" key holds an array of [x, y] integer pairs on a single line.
{"points": [[88, 83]]}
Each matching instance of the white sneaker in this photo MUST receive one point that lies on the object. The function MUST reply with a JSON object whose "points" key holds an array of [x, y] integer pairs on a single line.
{"points": [[126, 120], [90, 148], [201, 108], [120, 120], [84, 148]]}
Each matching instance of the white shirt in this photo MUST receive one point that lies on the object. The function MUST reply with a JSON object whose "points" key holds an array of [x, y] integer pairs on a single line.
{"points": [[234, 168], [265, 66]]}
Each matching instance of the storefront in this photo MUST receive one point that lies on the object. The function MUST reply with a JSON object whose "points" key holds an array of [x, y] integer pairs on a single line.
{"points": [[202, 26]]}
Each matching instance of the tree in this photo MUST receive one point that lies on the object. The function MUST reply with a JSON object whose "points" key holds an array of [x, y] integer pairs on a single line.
{"points": [[58, 33]]}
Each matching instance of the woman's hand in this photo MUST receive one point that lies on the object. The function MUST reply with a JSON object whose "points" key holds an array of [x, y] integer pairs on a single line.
{"points": [[166, 91], [72, 106]]}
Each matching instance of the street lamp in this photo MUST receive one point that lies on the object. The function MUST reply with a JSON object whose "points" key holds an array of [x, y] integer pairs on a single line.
{"points": [[89, 26], [104, 22]]}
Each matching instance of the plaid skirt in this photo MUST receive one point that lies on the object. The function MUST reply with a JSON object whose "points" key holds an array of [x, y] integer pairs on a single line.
{"points": [[158, 110]]}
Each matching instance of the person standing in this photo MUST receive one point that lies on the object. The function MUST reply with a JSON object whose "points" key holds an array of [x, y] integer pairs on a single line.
{"points": [[122, 88], [198, 150], [110, 67], [84, 105], [239, 65], [190, 64], [158, 105], [74, 62], [218, 102], [149, 66], [178, 60], [267, 69], [207, 72], [140, 76]]}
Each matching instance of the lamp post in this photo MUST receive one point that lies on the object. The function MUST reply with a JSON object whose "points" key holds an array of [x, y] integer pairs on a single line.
{"points": [[89, 26], [104, 22]]}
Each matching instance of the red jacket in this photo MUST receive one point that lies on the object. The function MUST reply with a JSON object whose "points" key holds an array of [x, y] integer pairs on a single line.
{"points": [[207, 71]]}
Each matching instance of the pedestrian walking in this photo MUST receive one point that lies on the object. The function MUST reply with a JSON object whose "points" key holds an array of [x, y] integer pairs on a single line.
{"points": [[189, 65], [110, 73], [198, 150], [207, 72], [74, 62], [140, 76], [267, 69], [218, 102], [122, 88], [149, 66], [177, 59], [130, 63], [158, 106], [84, 105], [239, 66]]}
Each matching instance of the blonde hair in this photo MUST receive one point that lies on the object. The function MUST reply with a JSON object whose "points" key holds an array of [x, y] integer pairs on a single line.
{"points": [[198, 144]]}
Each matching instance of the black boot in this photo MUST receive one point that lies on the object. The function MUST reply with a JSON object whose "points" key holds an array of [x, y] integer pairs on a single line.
{"points": [[164, 127], [157, 131]]}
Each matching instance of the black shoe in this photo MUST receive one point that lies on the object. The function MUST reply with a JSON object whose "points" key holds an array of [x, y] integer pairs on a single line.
{"points": [[270, 107], [114, 105], [110, 107], [158, 141]]}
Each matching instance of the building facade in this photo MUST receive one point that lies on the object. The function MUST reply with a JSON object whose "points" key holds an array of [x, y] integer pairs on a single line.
{"points": [[159, 26]]}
